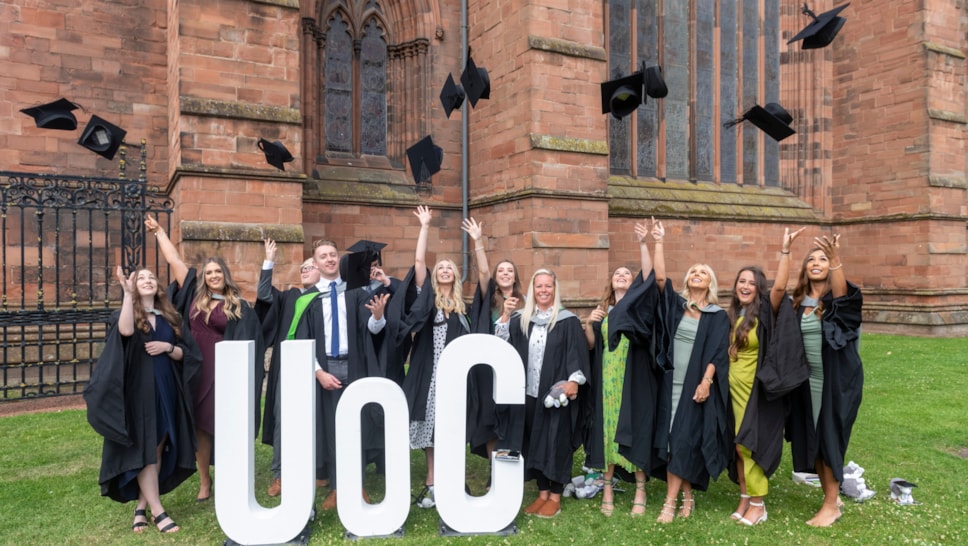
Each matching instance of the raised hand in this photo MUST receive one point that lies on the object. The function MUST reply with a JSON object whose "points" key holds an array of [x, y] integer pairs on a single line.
{"points": [[152, 224], [641, 232], [270, 250], [423, 214], [377, 305], [830, 247], [127, 283], [597, 315], [789, 237], [658, 230], [472, 228]]}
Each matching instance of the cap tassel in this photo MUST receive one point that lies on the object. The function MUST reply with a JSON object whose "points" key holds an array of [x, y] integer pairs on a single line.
{"points": [[733, 123], [807, 11]]}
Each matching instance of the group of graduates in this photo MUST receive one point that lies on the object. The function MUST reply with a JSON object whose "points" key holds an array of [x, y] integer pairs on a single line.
{"points": [[654, 383]]}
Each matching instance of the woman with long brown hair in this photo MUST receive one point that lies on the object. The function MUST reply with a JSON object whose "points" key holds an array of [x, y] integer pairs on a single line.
{"points": [[823, 414], [213, 305], [143, 385]]}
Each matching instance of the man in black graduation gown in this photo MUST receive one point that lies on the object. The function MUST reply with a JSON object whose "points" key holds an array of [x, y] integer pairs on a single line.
{"points": [[276, 310], [345, 350]]}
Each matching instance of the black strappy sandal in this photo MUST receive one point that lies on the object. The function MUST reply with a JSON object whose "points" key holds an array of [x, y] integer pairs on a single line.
{"points": [[170, 528], [139, 526]]}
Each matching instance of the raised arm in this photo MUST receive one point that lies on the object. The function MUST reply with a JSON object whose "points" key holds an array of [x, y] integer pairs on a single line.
{"points": [[835, 271], [420, 256], [658, 233], [641, 233], [178, 268], [475, 231], [264, 291], [778, 292], [126, 320]]}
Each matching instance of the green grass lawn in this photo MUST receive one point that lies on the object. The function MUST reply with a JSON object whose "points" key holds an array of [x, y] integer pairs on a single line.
{"points": [[913, 424]]}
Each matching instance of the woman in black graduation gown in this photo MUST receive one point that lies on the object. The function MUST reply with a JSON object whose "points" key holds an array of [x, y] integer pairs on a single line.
{"points": [[692, 439], [216, 312], [552, 347], [756, 414], [494, 291], [433, 312], [625, 378], [825, 407], [139, 399]]}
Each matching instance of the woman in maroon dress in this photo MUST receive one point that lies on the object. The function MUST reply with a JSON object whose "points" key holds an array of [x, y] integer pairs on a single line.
{"points": [[216, 312]]}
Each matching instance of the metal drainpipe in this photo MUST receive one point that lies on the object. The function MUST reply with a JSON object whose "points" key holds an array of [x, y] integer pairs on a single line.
{"points": [[465, 145]]}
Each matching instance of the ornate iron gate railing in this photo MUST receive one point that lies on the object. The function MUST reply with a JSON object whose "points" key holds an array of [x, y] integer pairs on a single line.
{"points": [[62, 237]]}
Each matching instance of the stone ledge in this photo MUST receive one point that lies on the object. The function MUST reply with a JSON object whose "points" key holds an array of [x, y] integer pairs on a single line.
{"points": [[294, 4], [944, 50], [957, 182], [232, 173], [534, 193], [568, 240], [566, 47], [237, 232], [631, 197], [568, 144], [946, 115], [238, 110], [911, 319], [349, 185]]}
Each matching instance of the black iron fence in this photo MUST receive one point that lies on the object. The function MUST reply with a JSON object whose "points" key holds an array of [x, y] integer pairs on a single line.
{"points": [[62, 237]]}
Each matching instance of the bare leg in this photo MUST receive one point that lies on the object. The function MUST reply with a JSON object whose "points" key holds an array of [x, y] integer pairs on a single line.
{"points": [[638, 503], [203, 458], [148, 484], [668, 513], [688, 501], [608, 499], [744, 499], [829, 512], [429, 453]]}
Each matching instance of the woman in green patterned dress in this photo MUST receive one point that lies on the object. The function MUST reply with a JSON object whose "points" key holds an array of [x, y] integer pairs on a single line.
{"points": [[619, 333]]}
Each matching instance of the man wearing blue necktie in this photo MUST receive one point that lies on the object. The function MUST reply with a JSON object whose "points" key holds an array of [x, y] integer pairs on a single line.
{"points": [[345, 351]]}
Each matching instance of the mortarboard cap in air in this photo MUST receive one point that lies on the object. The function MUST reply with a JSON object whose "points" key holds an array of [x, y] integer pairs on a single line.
{"points": [[425, 159], [822, 30], [54, 115]]}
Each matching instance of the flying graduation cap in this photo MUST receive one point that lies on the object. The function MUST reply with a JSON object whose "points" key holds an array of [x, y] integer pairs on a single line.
{"points": [[622, 96], [451, 96], [276, 153], [425, 159], [54, 115], [772, 119], [354, 268], [822, 30], [102, 137], [476, 82]]}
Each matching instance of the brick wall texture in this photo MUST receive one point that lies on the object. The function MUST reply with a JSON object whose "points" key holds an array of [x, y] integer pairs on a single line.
{"points": [[203, 80]]}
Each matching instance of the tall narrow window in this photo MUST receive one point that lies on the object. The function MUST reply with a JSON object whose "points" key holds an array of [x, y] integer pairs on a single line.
{"points": [[373, 87], [338, 85]]}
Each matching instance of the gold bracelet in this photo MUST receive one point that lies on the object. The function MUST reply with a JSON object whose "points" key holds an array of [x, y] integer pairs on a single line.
{"points": [[836, 268], [710, 379], [784, 252]]}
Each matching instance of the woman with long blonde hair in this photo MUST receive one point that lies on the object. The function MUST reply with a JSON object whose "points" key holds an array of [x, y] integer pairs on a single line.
{"points": [[213, 305], [693, 343], [433, 312]]}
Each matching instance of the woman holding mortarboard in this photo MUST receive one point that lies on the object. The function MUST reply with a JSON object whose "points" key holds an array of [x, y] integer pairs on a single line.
{"points": [[140, 399], [625, 377], [825, 407], [215, 311], [552, 347], [692, 345], [432, 311]]}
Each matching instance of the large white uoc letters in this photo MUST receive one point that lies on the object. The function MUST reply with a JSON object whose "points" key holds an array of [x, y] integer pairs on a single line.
{"points": [[497, 509], [240, 515], [246, 522]]}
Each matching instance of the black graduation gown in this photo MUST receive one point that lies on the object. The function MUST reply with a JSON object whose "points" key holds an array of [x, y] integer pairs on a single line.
{"points": [[414, 314], [362, 363], [120, 399], [634, 317], [482, 422], [276, 316], [843, 385], [762, 428], [555, 433], [698, 445], [245, 328]]}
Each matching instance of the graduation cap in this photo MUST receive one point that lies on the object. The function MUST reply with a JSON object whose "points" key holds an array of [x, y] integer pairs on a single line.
{"points": [[623, 95], [102, 137], [773, 119], [276, 153], [369, 249], [901, 492], [822, 30], [476, 82], [451, 96], [425, 158], [54, 115]]}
